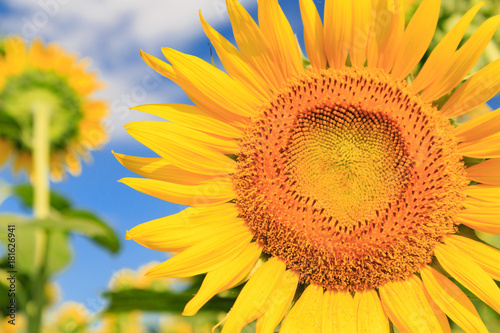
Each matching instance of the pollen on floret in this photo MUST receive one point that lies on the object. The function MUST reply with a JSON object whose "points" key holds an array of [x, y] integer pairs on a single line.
{"points": [[349, 178]]}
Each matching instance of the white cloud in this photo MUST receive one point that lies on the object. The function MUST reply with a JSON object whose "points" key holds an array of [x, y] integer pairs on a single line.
{"points": [[111, 32], [150, 19]]}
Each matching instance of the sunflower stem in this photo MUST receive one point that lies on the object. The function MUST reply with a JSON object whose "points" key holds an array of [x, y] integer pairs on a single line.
{"points": [[41, 209], [41, 153]]}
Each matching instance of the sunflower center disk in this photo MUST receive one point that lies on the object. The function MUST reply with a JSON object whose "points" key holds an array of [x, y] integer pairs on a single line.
{"points": [[349, 179], [352, 162]]}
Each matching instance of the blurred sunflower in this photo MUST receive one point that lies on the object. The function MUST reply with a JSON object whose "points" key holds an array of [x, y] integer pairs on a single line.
{"points": [[177, 325], [127, 278], [122, 322], [19, 327], [71, 317], [46, 75], [339, 191]]}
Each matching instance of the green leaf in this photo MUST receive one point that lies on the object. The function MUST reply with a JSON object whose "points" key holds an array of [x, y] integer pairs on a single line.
{"points": [[70, 220], [84, 223], [8, 219], [25, 194], [28, 235], [20, 292], [306, 63], [162, 301], [25, 253], [471, 161], [74, 221], [59, 253], [93, 227]]}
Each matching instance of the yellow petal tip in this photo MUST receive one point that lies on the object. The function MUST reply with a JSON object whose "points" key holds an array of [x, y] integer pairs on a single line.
{"points": [[128, 235], [151, 272], [188, 313]]}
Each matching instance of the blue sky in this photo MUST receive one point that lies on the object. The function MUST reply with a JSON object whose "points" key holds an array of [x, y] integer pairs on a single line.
{"points": [[111, 34]]}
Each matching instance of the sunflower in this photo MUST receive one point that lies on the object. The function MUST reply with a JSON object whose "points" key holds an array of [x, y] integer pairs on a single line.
{"points": [[121, 322], [126, 279], [71, 317], [46, 75], [341, 193]]}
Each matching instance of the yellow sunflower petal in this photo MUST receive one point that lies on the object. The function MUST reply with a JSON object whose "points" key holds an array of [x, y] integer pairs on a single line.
{"points": [[43, 57], [79, 149], [64, 64], [390, 40], [416, 38], [480, 222], [3, 74], [159, 169], [479, 127], [475, 203], [217, 190], [56, 169], [313, 34], [186, 153], [440, 56], [171, 129], [213, 83], [338, 25], [482, 212], [22, 162], [5, 151], [253, 300], [233, 61], [440, 315], [380, 31], [488, 147], [371, 316], [73, 164], [15, 54], [223, 278], [97, 109], [305, 313], [192, 117], [486, 172], [487, 257], [345, 313], [485, 208], [452, 300], [85, 83], [361, 25], [179, 231], [280, 301], [208, 105], [276, 29], [327, 313], [477, 90], [469, 274], [484, 192], [408, 308], [462, 61], [163, 68], [253, 45], [206, 256], [168, 71]]}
